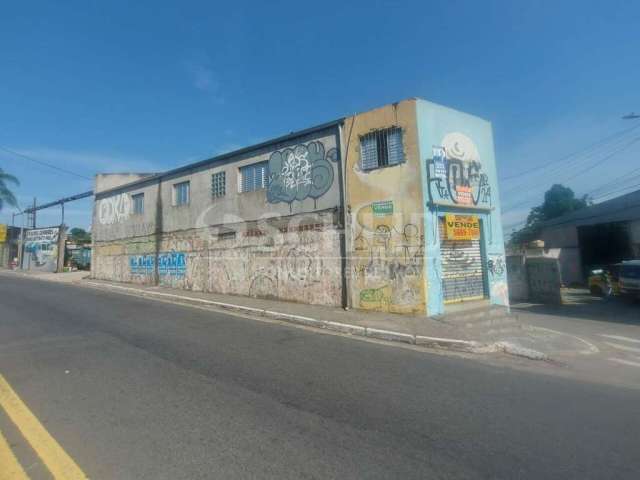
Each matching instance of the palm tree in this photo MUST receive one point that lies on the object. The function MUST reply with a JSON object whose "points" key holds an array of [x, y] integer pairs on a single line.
{"points": [[6, 195]]}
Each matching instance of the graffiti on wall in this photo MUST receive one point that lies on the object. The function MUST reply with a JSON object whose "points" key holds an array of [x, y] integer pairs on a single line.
{"points": [[300, 172], [141, 264], [305, 270], [496, 266], [298, 262], [172, 264], [455, 174], [114, 209], [388, 266]]}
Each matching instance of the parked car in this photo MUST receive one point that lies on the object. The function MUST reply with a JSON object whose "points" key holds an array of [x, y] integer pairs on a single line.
{"points": [[605, 281], [630, 278]]}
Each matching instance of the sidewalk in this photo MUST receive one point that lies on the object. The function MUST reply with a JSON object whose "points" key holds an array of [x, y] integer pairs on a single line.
{"points": [[478, 329]]}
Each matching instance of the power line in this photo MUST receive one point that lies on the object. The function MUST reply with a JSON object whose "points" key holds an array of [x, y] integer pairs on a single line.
{"points": [[590, 167], [602, 192], [595, 164], [612, 192], [622, 178], [582, 150], [573, 162], [69, 172]]}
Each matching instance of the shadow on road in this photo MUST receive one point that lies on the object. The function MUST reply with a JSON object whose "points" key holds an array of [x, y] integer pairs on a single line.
{"points": [[579, 303]]}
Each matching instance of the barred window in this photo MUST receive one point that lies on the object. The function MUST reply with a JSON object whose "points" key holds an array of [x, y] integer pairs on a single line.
{"points": [[381, 148], [218, 185], [138, 203], [254, 177], [181, 193]]}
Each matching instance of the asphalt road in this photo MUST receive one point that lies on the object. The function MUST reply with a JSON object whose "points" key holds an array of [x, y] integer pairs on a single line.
{"points": [[133, 388]]}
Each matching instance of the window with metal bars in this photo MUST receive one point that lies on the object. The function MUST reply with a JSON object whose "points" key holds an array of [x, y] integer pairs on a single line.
{"points": [[382, 148], [218, 185], [254, 177], [181, 193], [138, 203]]}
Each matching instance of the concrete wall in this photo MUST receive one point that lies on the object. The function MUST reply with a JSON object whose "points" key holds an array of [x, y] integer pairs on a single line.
{"points": [[282, 242], [386, 269], [518, 280], [107, 181], [544, 280], [468, 141]]}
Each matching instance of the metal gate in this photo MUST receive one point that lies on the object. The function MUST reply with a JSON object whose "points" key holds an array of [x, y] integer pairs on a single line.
{"points": [[462, 268]]}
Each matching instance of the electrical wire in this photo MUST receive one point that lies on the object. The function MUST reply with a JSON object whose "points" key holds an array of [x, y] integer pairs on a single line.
{"points": [[583, 150], [613, 192], [622, 178], [69, 172], [591, 166], [571, 164]]}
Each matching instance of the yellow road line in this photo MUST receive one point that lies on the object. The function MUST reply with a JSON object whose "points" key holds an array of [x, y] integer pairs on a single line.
{"points": [[50, 452], [10, 469]]}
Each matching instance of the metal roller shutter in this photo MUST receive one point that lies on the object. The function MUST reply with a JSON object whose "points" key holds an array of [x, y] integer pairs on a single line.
{"points": [[462, 268]]}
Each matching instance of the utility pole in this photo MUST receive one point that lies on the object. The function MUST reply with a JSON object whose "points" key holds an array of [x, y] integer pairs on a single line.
{"points": [[34, 212]]}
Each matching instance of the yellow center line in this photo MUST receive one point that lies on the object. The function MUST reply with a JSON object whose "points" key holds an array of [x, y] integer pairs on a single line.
{"points": [[10, 469], [59, 463]]}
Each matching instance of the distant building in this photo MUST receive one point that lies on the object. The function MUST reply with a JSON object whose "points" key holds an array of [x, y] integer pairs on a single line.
{"points": [[395, 209], [9, 245], [608, 232]]}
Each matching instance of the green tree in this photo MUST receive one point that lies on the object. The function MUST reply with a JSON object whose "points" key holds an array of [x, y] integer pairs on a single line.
{"points": [[80, 235], [6, 195], [558, 200]]}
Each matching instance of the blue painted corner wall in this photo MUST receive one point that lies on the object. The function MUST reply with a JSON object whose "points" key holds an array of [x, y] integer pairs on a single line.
{"points": [[462, 143]]}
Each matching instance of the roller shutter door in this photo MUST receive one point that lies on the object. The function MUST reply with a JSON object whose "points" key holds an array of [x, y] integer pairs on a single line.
{"points": [[462, 268]]}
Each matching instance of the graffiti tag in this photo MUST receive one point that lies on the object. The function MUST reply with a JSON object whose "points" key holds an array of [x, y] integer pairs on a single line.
{"points": [[169, 264], [455, 174], [303, 171], [114, 209]]}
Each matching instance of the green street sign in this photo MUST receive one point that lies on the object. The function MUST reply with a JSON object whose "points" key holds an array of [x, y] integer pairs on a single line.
{"points": [[382, 209]]}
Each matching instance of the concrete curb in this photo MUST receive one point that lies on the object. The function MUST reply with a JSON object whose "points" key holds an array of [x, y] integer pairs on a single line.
{"points": [[519, 351], [469, 346]]}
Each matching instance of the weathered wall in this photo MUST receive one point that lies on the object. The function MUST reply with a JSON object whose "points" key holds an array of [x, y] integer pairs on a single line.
{"points": [[544, 280], [518, 280], [107, 181], [283, 241], [459, 176], [297, 259], [385, 250]]}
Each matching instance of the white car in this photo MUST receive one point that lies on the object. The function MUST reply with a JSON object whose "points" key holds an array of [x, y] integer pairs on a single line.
{"points": [[629, 281]]}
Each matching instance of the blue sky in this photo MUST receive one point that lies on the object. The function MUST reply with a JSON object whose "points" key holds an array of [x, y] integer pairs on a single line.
{"points": [[149, 85]]}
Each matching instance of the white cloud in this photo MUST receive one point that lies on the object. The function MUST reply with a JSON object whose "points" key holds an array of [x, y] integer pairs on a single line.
{"points": [[203, 76]]}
